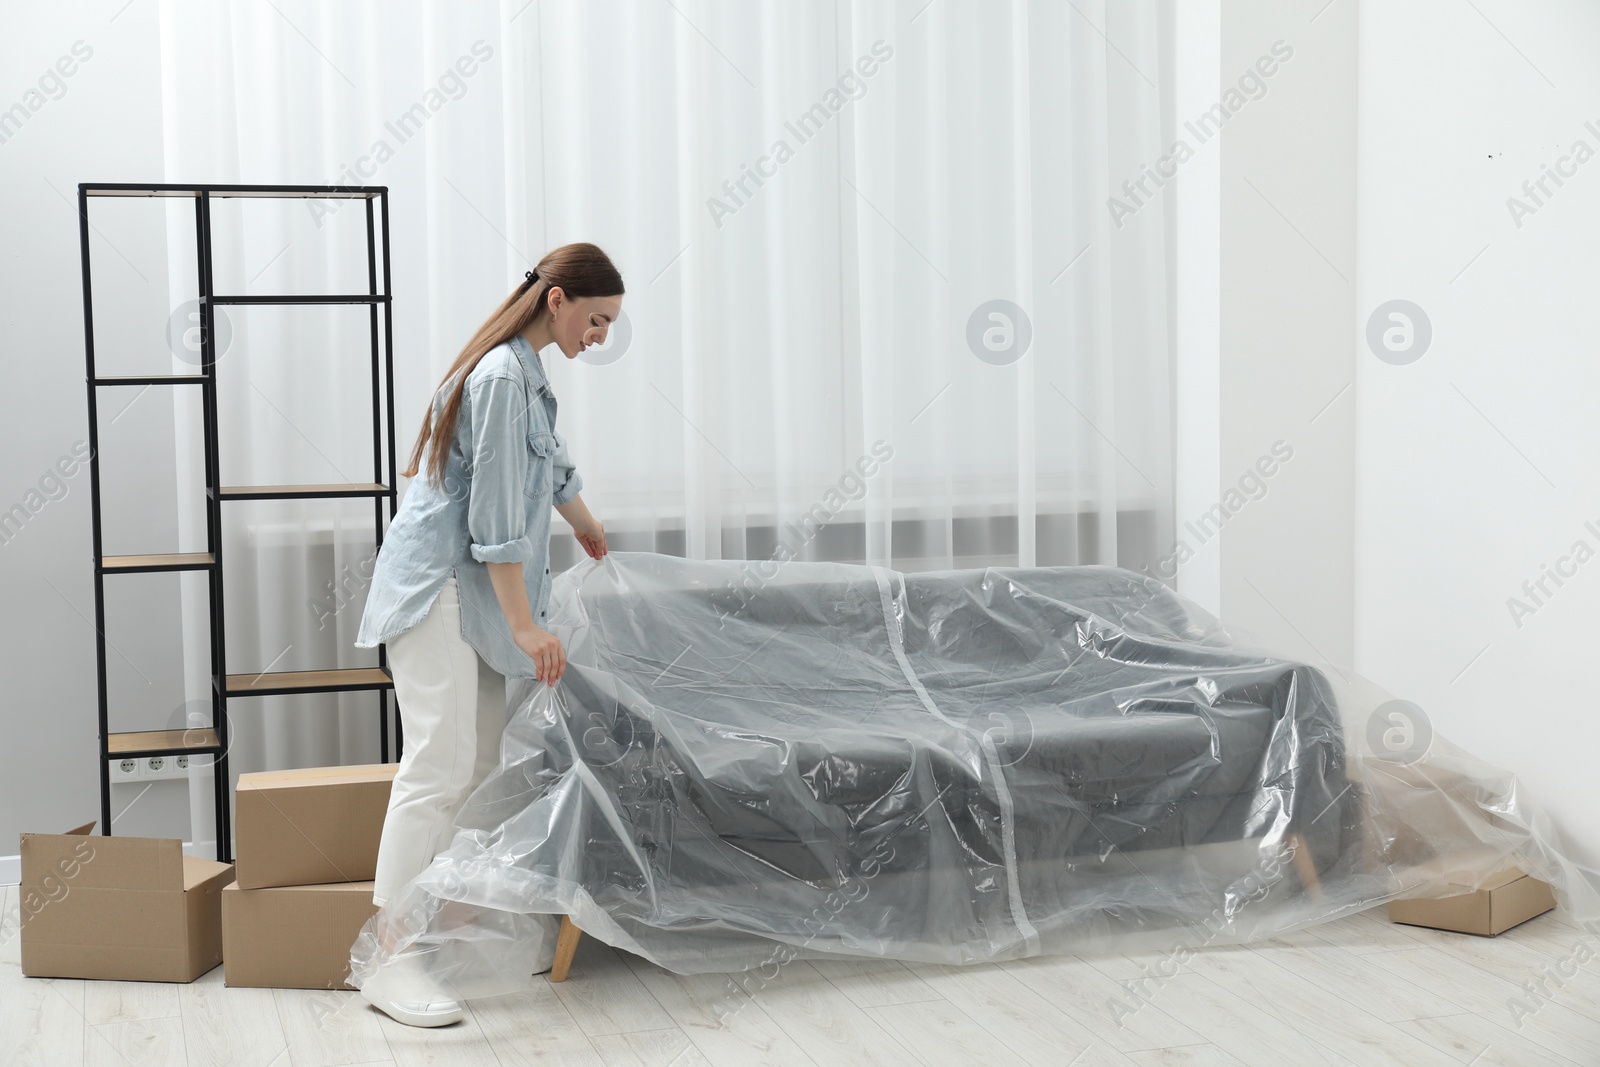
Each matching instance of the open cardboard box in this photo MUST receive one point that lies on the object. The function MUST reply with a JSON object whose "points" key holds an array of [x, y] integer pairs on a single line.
{"points": [[1471, 892], [1428, 823], [123, 908]]}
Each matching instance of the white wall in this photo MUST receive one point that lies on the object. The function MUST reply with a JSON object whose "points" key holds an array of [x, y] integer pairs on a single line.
{"points": [[101, 122], [1376, 167], [1286, 271], [1477, 463], [1196, 372]]}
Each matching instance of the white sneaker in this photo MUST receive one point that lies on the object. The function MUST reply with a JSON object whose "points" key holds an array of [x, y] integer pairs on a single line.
{"points": [[437, 1012]]}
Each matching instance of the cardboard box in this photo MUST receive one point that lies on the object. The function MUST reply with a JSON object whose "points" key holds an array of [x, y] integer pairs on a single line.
{"points": [[292, 937], [312, 826], [125, 908], [1506, 897]]}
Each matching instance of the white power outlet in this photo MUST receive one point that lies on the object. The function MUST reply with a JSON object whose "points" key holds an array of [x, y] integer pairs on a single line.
{"points": [[158, 767], [149, 768]]}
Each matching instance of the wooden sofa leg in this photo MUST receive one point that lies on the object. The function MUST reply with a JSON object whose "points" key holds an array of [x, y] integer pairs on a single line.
{"points": [[1304, 866], [566, 947]]}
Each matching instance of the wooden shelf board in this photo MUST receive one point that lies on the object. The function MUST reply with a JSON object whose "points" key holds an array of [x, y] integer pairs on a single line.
{"points": [[150, 379], [292, 299], [166, 560], [290, 681], [166, 740], [349, 489], [309, 192]]}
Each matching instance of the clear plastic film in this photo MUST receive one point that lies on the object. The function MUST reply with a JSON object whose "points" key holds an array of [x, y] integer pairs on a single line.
{"points": [[747, 763]]}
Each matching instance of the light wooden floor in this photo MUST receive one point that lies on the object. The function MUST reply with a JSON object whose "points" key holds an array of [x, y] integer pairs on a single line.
{"points": [[1357, 992]]}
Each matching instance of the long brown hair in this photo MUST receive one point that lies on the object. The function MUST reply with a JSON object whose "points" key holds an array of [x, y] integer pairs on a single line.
{"points": [[580, 269]]}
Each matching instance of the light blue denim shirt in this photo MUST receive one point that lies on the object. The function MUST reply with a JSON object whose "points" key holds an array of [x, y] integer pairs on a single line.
{"points": [[506, 468]]}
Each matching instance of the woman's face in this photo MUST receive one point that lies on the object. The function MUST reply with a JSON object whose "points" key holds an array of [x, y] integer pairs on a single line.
{"points": [[582, 321]]}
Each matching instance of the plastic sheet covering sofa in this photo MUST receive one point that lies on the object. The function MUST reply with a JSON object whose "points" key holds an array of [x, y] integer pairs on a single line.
{"points": [[747, 763]]}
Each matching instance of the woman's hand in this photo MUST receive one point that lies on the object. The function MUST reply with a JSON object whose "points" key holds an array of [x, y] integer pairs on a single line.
{"points": [[589, 531], [544, 648], [591, 534]]}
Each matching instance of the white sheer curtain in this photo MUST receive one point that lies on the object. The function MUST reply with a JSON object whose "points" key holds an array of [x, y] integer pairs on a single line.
{"points": [[814, 207]]}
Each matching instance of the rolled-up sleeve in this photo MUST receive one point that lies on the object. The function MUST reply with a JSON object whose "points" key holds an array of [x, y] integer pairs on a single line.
{"points": [[496, 514], [565, 480]]}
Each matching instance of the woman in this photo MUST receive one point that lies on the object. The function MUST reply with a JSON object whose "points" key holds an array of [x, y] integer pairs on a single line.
{"points": [[462, 581]]}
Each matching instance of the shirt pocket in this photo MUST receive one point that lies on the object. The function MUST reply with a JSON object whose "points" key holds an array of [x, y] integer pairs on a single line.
{"points": [[541, 447]]}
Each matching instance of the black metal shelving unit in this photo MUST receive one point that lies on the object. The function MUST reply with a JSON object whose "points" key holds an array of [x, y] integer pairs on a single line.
{"points": [[213, 740]]}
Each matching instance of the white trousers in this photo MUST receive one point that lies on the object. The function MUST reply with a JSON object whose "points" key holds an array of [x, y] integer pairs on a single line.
{"points": [[453, 712]]}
